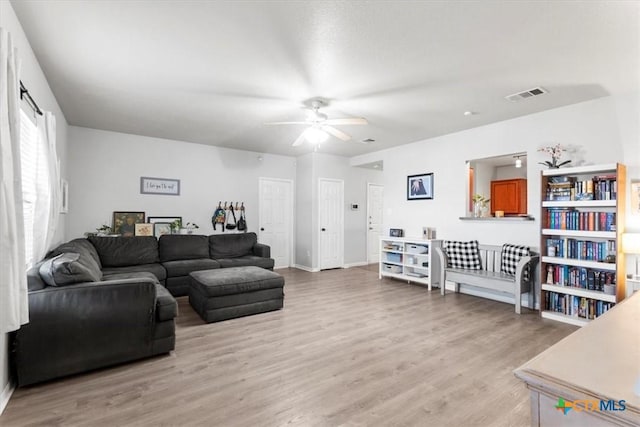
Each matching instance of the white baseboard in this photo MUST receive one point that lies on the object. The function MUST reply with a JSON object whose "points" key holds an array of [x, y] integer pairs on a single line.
{"points": [[305, 268], [355, 264], [6, 395]]}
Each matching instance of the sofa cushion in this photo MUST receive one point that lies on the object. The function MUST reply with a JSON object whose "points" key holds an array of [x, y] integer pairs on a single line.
{"points": [[174, 247], [131, 275], [231, 245], [66, 269], [166, 305], [245, 261], [157, 269], [88, 255], [126, 251], [186, 266], [465, 255]]}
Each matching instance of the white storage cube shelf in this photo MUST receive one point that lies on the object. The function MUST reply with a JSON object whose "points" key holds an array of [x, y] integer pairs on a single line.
{"points": [[409, 259]]}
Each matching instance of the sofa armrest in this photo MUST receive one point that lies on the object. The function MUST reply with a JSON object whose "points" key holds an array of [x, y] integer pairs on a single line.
{"points": [[262, 250], [84, 326]]}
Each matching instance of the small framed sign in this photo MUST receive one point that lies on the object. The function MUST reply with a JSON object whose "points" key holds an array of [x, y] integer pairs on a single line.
{"points": [[164, 186]]}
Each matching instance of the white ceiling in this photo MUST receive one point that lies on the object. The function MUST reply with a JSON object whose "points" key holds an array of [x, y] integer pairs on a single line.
{"points": [[215, 72]]}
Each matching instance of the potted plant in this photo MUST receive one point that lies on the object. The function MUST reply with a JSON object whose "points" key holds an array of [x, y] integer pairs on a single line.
{"points": [[176, 226], [556, 153], [188, 229], [104, 230]]}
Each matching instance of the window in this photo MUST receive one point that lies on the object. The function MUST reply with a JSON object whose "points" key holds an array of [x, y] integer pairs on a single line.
{"points": [[34, 178]]}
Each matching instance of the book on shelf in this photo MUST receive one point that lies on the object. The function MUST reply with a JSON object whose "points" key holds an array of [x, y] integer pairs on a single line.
{"points": [[600, 187], [572, 219], [572, 305], [579, 277], [580, 249]]}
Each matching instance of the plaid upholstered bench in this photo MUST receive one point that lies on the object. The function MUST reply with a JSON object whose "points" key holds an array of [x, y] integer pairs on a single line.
{"points": [[507, 268]]}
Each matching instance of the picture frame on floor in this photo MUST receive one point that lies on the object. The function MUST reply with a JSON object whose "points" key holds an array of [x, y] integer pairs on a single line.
{"points": [[124, 223], [420, 187], [161, 228], [144, 229]]}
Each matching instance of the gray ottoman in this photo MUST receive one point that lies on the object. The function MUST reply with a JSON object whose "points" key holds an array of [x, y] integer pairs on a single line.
{"points": [[227, 293]]}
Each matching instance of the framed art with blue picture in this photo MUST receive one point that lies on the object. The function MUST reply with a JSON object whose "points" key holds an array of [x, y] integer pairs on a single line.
{"points": [[420, 187]]}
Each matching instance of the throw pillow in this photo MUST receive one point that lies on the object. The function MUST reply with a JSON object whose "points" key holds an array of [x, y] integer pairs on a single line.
{"points": [[65, 269], [464, 255], [511, 255]]}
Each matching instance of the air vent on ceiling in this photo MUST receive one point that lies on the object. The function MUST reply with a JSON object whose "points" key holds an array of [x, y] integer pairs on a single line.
{"points": [[526, 94], [368, 141]]}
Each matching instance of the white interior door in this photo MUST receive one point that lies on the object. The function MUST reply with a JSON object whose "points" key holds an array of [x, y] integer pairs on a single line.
{"points": [[276, 218], [331, 223], [375, 194]]}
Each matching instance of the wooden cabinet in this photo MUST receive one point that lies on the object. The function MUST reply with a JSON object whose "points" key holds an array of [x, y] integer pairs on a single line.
{"points": [[510, 196]]}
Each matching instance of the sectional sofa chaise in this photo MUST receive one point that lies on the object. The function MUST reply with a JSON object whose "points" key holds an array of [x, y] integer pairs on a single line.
{"points": [[106, 300]]}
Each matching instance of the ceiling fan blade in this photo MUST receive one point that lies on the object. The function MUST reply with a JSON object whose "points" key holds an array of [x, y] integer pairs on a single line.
{"points": [[286, 123], [337, 133], [348, 121], [299, 141]]}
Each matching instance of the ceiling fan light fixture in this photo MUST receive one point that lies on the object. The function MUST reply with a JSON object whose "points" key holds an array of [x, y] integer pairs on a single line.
{"points": [[315, 136]]}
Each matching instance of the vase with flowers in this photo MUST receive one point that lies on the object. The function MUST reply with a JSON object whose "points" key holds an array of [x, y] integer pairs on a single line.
{"points": [[479, 205], [556, 153]]}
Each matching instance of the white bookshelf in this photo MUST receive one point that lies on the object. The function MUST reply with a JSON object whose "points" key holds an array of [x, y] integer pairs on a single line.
{"points": [[413, 260], [575, 304]]}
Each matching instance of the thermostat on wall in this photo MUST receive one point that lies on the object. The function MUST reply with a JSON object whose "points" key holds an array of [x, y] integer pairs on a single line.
{"points": [[355, 206]]}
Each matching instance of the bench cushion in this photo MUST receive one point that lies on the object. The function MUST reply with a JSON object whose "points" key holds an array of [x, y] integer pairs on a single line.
{"points": [[510, 257], [464, 255]]}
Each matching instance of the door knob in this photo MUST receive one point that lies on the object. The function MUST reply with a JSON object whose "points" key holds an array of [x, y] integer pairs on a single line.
{"points": [[323, 229], [370, 228], [261, 228]]}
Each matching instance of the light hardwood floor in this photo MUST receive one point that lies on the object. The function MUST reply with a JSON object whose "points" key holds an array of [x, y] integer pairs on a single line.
{"points": [[347, 349]]}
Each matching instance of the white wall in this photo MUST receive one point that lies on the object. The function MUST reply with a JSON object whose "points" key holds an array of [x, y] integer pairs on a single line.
{"points": [[311, 168], [305, 208], [602, 131], [35, 81], [105, 170]]}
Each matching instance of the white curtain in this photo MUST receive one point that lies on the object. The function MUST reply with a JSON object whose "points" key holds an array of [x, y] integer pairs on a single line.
{"points": [[48, 190], [14, 304]]}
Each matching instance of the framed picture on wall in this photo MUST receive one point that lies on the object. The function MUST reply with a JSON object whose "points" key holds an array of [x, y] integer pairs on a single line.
{"points": [[124, 223], [420, 187], [163, 186]]}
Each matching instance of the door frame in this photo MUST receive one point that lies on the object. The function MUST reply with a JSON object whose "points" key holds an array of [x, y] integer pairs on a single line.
{"points": [[291, 213], [318, 232], [369, 185]]}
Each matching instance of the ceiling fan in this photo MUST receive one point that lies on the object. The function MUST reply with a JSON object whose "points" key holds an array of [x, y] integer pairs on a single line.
{"points": [[321, 126]]}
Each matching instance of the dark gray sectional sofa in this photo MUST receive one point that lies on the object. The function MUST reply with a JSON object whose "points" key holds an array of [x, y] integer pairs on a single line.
{"points": [[106, 300]]}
